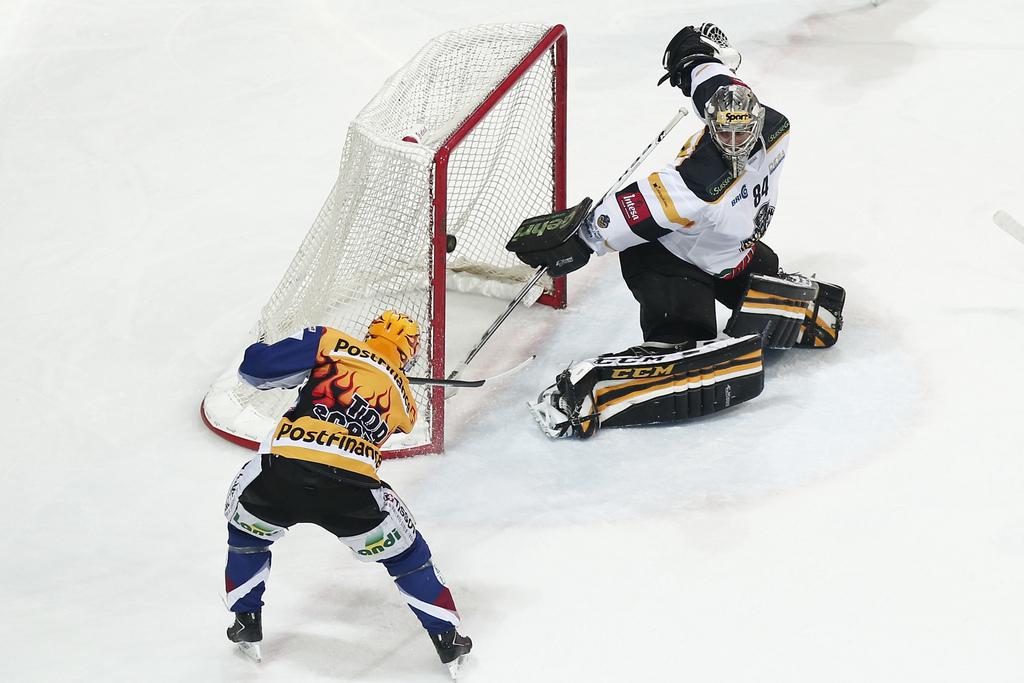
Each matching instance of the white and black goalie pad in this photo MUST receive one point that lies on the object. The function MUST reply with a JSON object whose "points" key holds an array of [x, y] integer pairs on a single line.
{"points": [[775, 308], [622, 391]]}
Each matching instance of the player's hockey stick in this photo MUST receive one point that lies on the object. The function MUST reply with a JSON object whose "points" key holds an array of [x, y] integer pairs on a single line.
{"points": [[646, 153], [469, 382], [1009, 224], [539, 273]]}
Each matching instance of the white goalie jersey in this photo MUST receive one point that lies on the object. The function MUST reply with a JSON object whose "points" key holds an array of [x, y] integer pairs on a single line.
{"points": [[696, 208]]}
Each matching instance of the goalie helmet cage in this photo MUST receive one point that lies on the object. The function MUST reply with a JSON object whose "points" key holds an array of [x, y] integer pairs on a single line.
{"points": [[466, 140]]}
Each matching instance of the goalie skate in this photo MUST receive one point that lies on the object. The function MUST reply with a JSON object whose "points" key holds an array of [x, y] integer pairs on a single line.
{"points": [[564, 409], [549, 413]]}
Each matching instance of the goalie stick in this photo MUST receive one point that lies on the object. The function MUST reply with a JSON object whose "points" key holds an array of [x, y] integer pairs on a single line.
{"points": [[539, 273], [469, 382], [1009, 225]]}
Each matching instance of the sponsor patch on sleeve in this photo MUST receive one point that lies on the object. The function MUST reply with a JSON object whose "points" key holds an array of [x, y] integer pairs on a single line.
{"points": [[633, 206]]}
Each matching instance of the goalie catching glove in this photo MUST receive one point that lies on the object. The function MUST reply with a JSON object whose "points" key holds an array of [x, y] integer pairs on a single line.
{"points": [[694, 46], [627, 390], [552, 241]]}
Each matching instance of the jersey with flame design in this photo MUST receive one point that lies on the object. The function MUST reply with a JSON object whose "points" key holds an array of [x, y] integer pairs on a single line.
{"points": [[351, 402]]}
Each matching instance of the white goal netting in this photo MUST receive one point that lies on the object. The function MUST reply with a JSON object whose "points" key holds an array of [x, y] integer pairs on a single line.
{"points": [[460, 141]]}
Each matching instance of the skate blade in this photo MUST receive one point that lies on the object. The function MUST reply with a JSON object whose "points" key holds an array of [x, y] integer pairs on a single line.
{"points": [[454, 667], [251, 650]]}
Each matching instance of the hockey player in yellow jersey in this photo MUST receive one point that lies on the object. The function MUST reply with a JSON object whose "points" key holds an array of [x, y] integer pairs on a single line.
{"points": [[319, 465], [355, 398]]}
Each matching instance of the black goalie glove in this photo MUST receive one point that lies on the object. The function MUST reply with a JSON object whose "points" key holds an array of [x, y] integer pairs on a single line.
{"points": [[687, 49], [553, 241]]}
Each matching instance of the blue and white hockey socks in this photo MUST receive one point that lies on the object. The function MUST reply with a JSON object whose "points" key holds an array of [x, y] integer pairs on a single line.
{"points": [[423, 588], [247, 570]]}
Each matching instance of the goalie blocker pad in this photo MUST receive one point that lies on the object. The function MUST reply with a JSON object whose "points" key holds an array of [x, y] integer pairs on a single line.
{"points": [[622, 391], [547, 240]]}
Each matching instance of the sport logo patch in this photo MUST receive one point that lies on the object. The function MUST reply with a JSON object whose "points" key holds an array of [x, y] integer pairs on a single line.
{"points": [[740, 196], [639, 373], [253, 527], [378, 543], [633, 206], [733, 117], [394, 505]]}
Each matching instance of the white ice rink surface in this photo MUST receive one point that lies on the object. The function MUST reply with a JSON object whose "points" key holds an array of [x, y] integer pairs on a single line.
{"points": [[862, 520]]}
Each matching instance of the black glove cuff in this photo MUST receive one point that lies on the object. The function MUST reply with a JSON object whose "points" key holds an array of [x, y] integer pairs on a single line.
{"points": [[681, 73]]}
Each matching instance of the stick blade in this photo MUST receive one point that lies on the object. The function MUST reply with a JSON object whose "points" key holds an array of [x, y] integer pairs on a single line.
{"points": [[1009, 224]]}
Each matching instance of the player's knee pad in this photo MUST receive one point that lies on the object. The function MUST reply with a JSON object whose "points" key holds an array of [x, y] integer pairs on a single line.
{"points": [[774, 308], [234, 509], [242, 542], [824, 317], [413, 559], [394, 535], [620, 391]]}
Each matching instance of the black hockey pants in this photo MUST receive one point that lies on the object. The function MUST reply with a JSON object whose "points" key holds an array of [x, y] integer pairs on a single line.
{"points": [[677, 299], [288, 492]]}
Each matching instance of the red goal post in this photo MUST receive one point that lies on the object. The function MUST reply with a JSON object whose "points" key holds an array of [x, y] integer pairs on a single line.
{"points": [[465, 140]]}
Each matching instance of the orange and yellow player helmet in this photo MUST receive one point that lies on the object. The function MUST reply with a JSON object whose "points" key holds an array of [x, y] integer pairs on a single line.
{"points": [[395, 336]]}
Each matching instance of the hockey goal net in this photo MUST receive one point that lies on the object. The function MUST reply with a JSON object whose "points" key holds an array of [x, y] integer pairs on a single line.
{"points": [[458, 147]]}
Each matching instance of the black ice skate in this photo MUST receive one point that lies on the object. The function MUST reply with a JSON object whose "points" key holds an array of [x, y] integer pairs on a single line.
{"points": [[452, 648], [247, 632]]}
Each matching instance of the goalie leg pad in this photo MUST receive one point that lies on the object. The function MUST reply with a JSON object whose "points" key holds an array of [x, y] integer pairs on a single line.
{"points": [[824, 318], [775, 308], [621, 391]]}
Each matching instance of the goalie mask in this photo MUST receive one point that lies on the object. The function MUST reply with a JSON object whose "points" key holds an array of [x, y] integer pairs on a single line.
{"points": [[735, 118], [395, 336]]}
